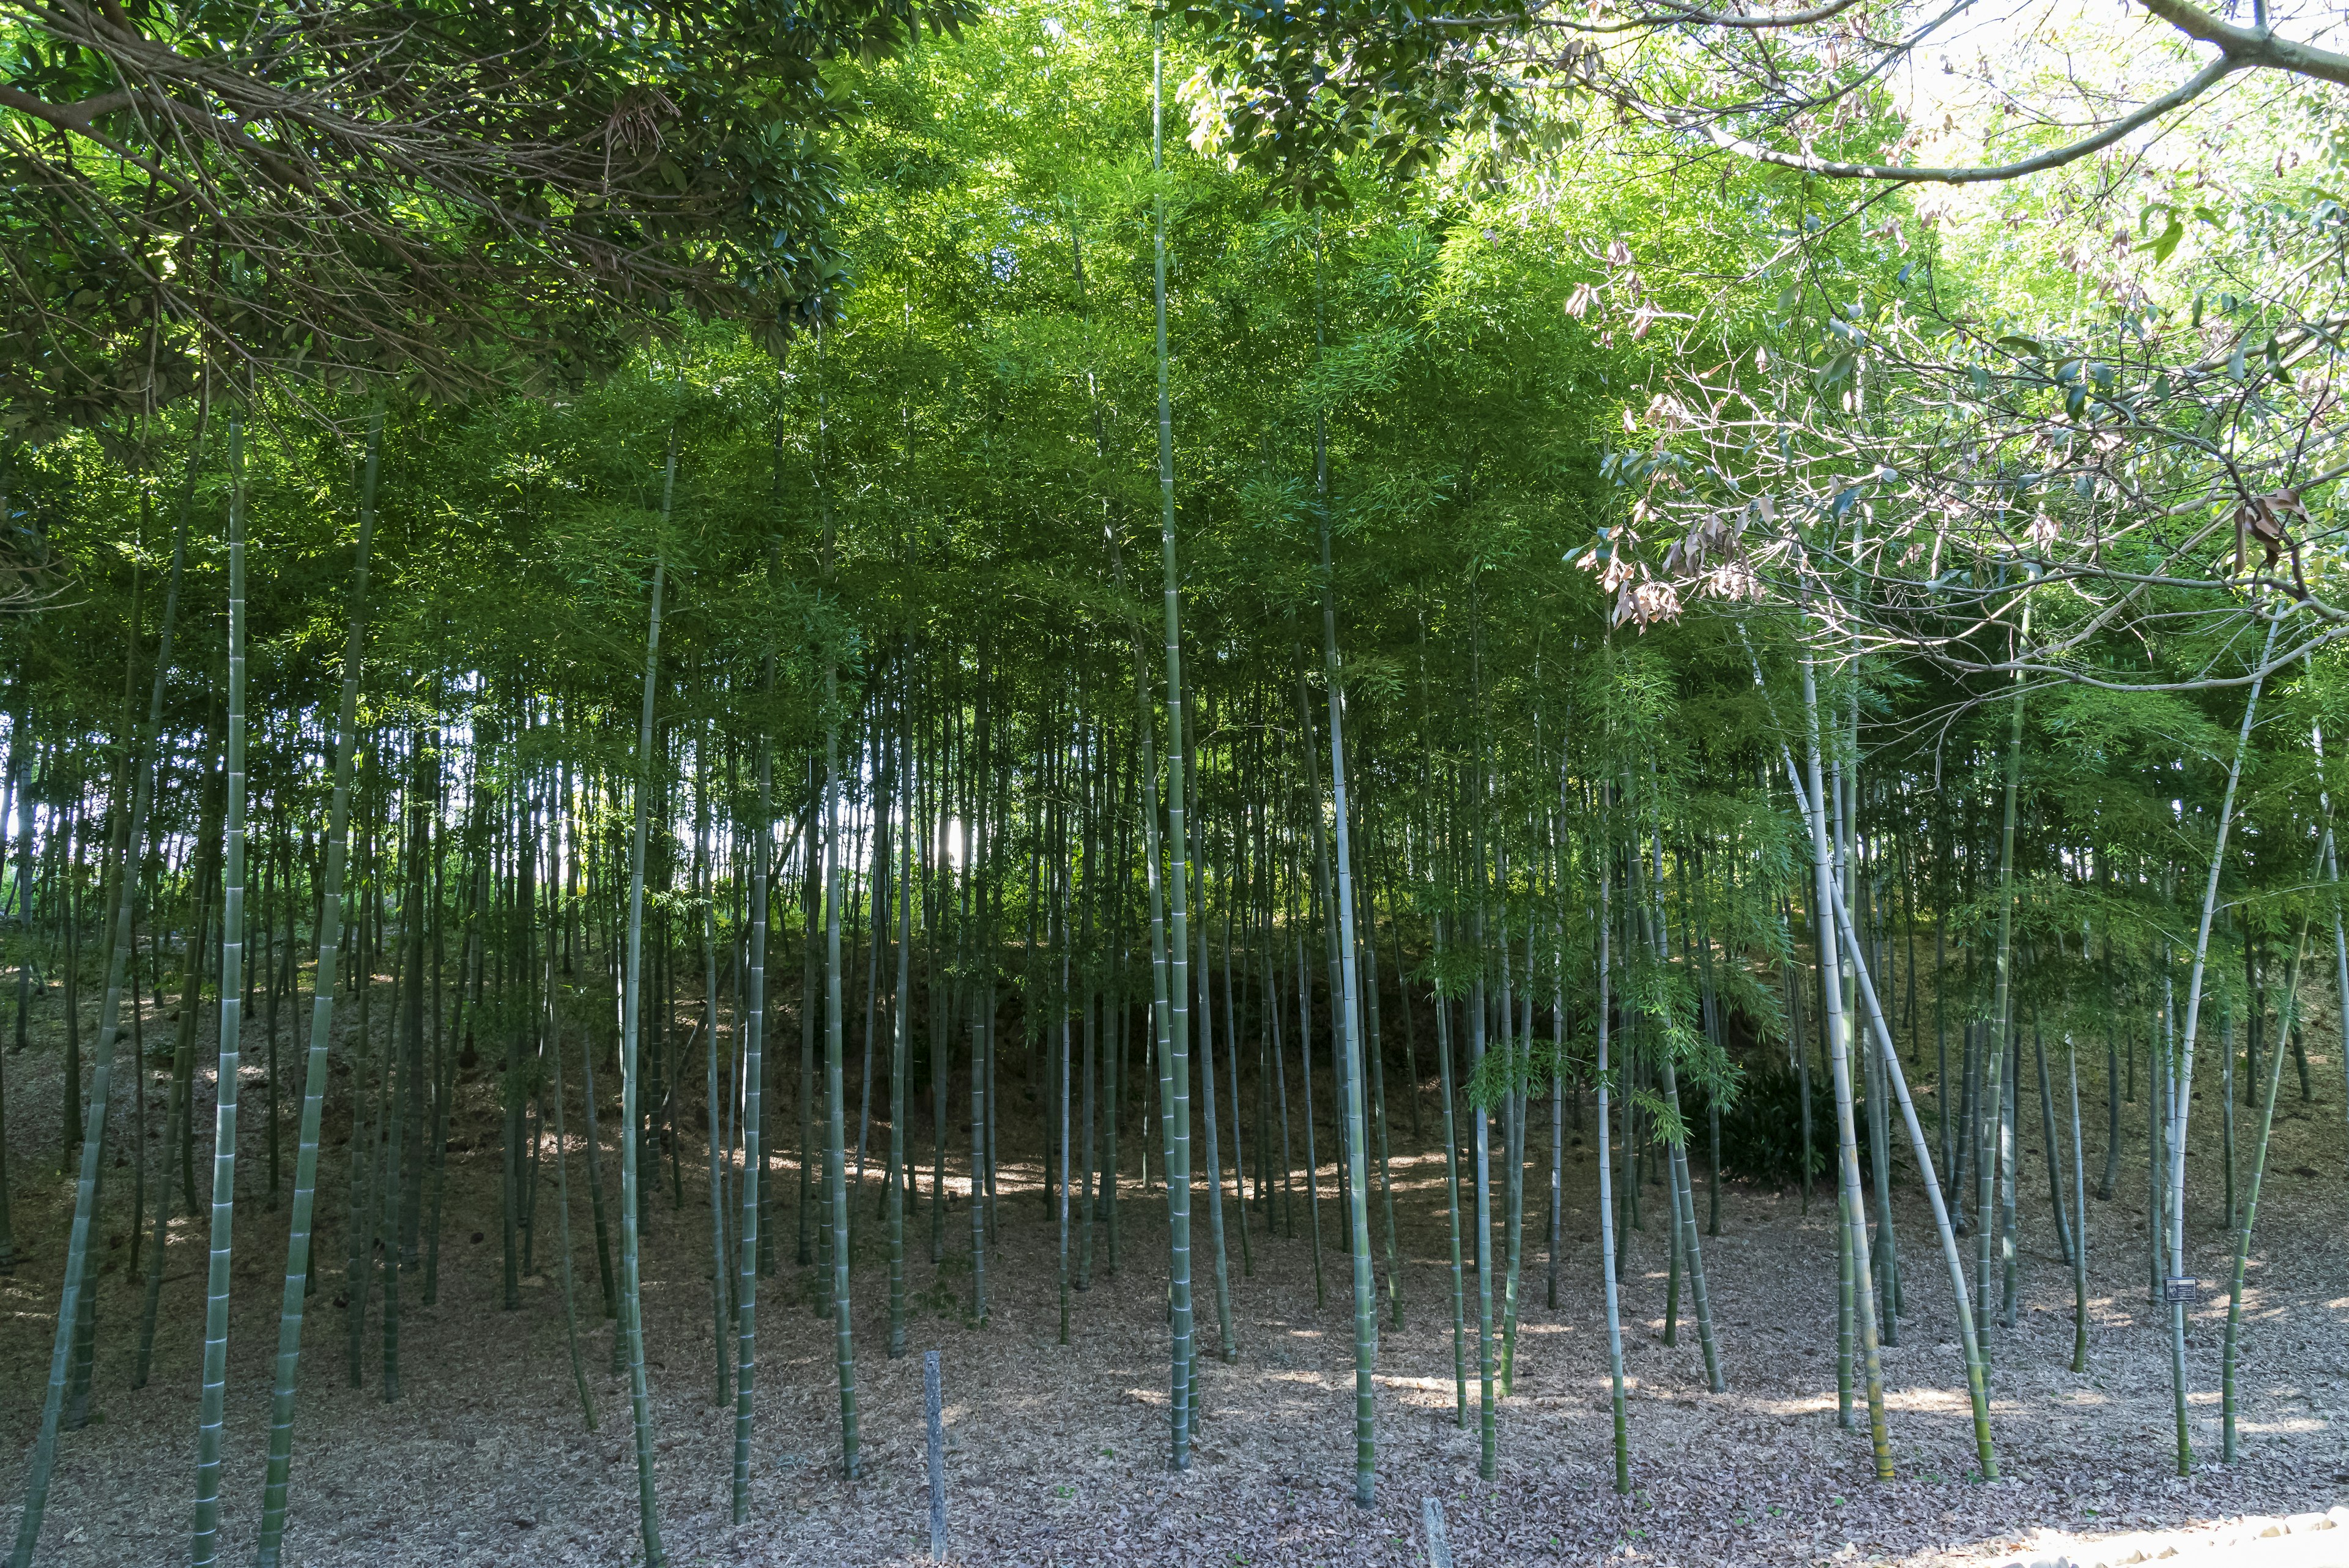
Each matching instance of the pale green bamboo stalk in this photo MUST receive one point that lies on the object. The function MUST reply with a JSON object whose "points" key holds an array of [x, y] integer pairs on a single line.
{"points": [[367, 1107], [1684, 1206], [2332, 893], [1481, 1141], [1513, 1139], [1606, 1183], [1232, 1054], [1839, 1066], [71, 1309], [1994, 1046], [1347, 1007], [835, 1165], [1513, 1149], [901, 1050], [1178, 958], [2080, 1208], [632, 1321], [1067, 1042], [1452, 1188], [2183, 1095], [205, 1549], [1976, 1364], [2250, 1212], [202, 868], [1227, 1348], [552, 1013], [322, 1017], [1377, 1057], [754, 1077], [632, 1327], [721, 1316], [982, 1002], [407, 1002]]}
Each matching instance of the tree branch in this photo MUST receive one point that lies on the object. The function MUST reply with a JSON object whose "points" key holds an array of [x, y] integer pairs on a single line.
{"points": [[74, 117], [2193, 87], [2258, 48]]}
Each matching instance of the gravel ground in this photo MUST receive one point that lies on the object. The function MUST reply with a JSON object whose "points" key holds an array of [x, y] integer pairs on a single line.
{"points": [[1057, 1452]]}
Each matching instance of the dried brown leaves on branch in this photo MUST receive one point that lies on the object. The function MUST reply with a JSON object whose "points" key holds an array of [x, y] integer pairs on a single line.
{"points": [[1910, 470]]}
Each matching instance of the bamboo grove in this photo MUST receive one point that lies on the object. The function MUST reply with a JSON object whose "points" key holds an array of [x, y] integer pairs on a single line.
{"points": [[1150, 714]]}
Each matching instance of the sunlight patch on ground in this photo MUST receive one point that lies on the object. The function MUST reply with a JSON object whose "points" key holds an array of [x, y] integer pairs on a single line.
{"points": [[1922, 1401]]}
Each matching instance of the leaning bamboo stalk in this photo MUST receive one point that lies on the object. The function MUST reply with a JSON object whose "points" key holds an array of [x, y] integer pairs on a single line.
{"points": [[322, 1017], [204, 1548], [2250, 1212], [755, 1076], [835, 1173], [706, 882], [1977, 1380], [73, 1294], [1602, 1083], [2184, 1091], [631, 1324], [901, 1052], [2332, 894], [1178, 960], [552, 1016], [1995, 1044], [1838, 1034]]}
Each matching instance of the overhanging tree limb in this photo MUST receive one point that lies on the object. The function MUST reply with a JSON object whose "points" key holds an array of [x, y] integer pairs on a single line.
{"points": [[2176, 99]]}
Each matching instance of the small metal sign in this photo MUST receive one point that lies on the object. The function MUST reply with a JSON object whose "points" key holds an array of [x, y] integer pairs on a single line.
{"points": [[2177, 1288]]}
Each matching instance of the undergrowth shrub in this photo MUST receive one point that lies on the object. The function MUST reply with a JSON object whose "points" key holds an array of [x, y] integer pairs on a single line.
{"points": [[1761, 1128]]}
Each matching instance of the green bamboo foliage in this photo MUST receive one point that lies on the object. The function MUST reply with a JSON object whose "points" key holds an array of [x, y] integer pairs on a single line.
{"points": [[942, 665], [205, 1547]]}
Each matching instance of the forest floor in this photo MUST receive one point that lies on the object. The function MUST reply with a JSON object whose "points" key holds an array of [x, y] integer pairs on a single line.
{"points": [[1057, 1453]]}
